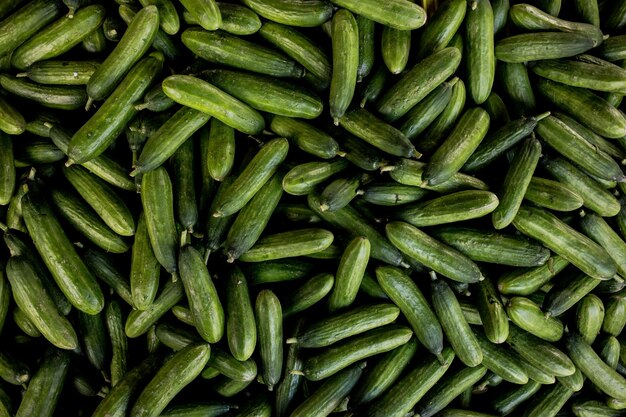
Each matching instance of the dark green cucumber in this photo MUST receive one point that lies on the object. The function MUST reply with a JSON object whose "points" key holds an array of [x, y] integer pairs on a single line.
{"points": [[539, 353], [454, 326], [419, 246], [563, 240], [417, 83], [548, 401], [70, 273], [594, 368], [510, 399], [600, 231], [492, 313], [374, 86], [333, 359], [59, 37], [168, 16], [61, 72], [33, 299], [367, 32], [288, 387], [170, 137], [269, 319], [479, 40], [450, 157], [542, 45], [131, 47], [501, 361], [103, 268], [204, 409], [139, 321], [591, 75], [594, 196], [599, 143], [528, 280], [341, 192], [258, 171], [177, 372], [119, 343], [144, 268], [349, 273], [206, 13], [323, 401], [55, 97], [395, 48], [355, 224], [384, 374], [392, 194], [398, 14], [23, 323], [184, 167], [224, 48], [552, 195], [484, 246], [93, 335], [204, 301], [615, 315], [288, 244], [590, 109], [25, 22], [302, 179], [529, 316], [414, 306], [515, 79], [13, 371], [589, 317], [7, 169], [345, 48], [221, 150], [307, 137], [441, 27], [227, 365], [43, 392], [227, 387], [454, 207], [308, 294], [241, 326], [360, 153], [353, 322], [111, 118], [287, 12], [11, 121]]}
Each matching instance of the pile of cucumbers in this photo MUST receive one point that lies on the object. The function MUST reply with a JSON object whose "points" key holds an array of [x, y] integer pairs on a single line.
{"points": [[259, 208]]}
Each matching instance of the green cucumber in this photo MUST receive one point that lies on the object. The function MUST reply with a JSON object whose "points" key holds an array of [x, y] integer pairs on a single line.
{"points": [[119, 343], [184, 366], [395, 48], [516, 82], [591, 75], [367, 32], [542, 45], [501, 361], [454, 326], [398, 14], [459, 206], [492, 313], [221, 150], [139, 321], [269, 319], [552, 195], [55, 97], [374, 86], [301, 13], [158, 206], [168, 16], [240, 322], [288, 244], [184, 185], [417, 83], [61, 72], [410, 172], [307, 137], [302, 179], [341, 192], [337, 357], [510, 399], [59, 37], [345, 47], [548, 401], [526, 281], [600, 231], [349, 273], [7, 169], [289, 386], [144, 268], [589, 317], [103, 268], [479, 40], [204, 409], [111, 118], [528, 316], [204, 302], [206, 13], [308, 294], [615, 315], [11, 121], [391, 194], [441, 27]]}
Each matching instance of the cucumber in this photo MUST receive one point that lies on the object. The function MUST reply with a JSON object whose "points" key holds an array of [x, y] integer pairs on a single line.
{"points": [[479, 48], [419, 246], [409, 172], [25, 22], [59, 37], [615, 315], [267, 94], [510, 399], [527, 281], [70, 273], [205, 409], [269, 319], [227, 387], [168, 16], [459, 206], [532, 18], [549, 401], [417, 83], [360, 153], [366, 126], [450, 157], [223, 48], [594, 368], [184, 366], [333, 359], [528, 316], [11, 121], [391, 194], [395, 48], [33, 299], [427, 110], [492, 313], [111, 118], [565, 241], [483, 246], [221, 150], [516, 82], [176, 338], [44, 389], [338, 327], [327, 397], [289, 386], [184, 185], [501, 361], [7, 169], [591, 75], [552, 195], [355, 224], [542, 45], [609, 350], [144, 268], [307, 137], [441, 27], [398, 14], [596, 140], [539, 353], [158, 207], [309, 293], [204, 302], [286, 12], [24, 324], [599, 230], [131, 47], [592, 408], [206, 13], [55, 97], [61, 72], [341, 192], [589, 317], [139, 321], [454, 326], [613, 49], [119, 343], [448, 389], [345, 48], [94, 339], [302, 179], [367, 33], [374, 86], [349, 273], [594, 196], [288, 244], [240, 322]]}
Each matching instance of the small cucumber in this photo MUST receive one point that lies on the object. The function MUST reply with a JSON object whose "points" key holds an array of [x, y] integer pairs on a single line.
{"points": [[552, 195], [61, 72], [542, 45], [94, 339], [528, 316], [345, 47], [241, 326], [288, 244], [548, 401], [398, 14], [184, 167], [144, 268], [55, 97], [349, 273], [103, 268], [221, 150], [302, 179], [501, 361], [307, 137], [395, 48], [367, 33], [301, 14], [309, 293], [589, 317], [479, 40], [269, 319], [599, 230], [526, 281], [492, 313], [427, 110], [441, 27], [119, 343], [615, 315], [139, 321]]}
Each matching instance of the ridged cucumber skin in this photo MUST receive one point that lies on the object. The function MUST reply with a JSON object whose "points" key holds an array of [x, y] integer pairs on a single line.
{"points": [[548, 401], [307, 137], [158, 206], [397, 14], [68, 270], [288, 244], [424, 113], [241, 329], [51, 96], [168, 16], [552, 195], [7, 169], [566, 242], [144, 268], [589, 317], [528, 316], [501, 361], [516, 395], [309, 293], [419, 246], [109, 121], [410, 172], [289, 386], [269, 319], [543, 45], [299, 14], [600, 231], [442, 26], [528, 280], [349, 274], [492, 312], [206, 13], [345, 47], [479, 49]]}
